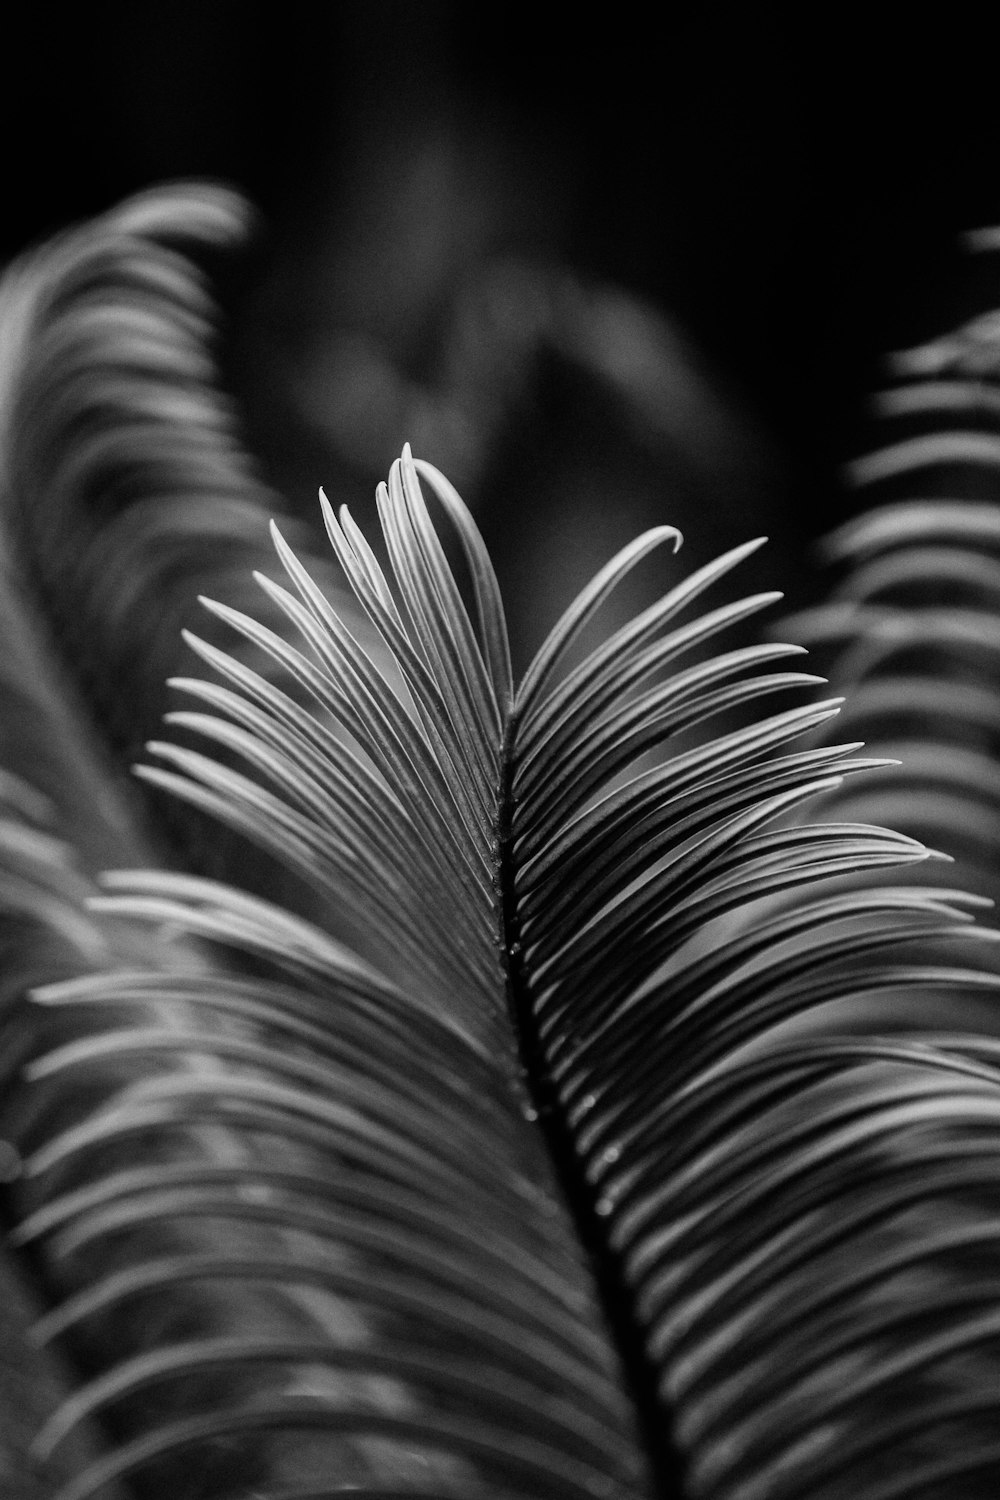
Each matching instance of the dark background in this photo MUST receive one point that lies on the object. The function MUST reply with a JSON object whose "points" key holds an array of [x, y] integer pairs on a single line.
{"points": [[779, 190]]}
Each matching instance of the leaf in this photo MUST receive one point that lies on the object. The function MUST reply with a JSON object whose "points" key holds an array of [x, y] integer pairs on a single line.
{"points": [[913, 631], [570, 1031], [587, 1120], [125, 489]]}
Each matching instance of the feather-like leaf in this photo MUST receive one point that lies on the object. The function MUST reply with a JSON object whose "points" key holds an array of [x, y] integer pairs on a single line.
{"points": [[916, 621], [124, 492], [566, 949], [599, 1127]]}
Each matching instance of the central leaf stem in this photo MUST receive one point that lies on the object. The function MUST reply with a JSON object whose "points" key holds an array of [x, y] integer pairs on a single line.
{"points": [[653, 1419]]}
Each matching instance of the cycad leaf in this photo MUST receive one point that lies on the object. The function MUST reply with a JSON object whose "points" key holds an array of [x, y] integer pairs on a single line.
{"points": [[124, 492], [395, 1103], [916, 622]]}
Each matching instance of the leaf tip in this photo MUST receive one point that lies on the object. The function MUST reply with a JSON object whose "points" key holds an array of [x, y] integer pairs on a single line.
{"points": [[214, 607]]}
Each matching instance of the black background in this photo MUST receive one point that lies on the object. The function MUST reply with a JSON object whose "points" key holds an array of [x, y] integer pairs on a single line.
{"points": [[787, 185]]}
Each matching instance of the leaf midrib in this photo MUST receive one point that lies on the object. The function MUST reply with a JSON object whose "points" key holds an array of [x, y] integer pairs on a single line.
{"points": [[543, 1105]]}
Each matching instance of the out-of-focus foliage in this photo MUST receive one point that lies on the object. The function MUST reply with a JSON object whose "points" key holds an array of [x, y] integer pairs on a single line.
{"points": [[912, 631]]}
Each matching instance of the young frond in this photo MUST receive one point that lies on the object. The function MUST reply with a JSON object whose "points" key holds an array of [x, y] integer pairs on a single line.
{"points": [[540, 1185], [584, 1116]]}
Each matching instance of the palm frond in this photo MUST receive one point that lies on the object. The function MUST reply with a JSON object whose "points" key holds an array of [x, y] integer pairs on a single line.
{"points": [[578, 979], [640, 1139], [124, 491], [913, 632]]}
